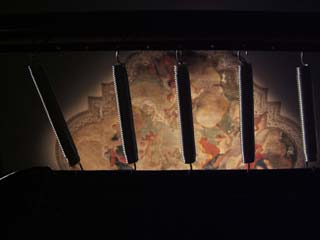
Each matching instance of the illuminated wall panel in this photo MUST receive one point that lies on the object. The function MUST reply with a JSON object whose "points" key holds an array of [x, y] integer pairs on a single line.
{"points": [[214, 85]]}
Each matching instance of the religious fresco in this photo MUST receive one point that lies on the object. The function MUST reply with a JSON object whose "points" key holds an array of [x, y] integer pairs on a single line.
{"points": [[215, 102]]}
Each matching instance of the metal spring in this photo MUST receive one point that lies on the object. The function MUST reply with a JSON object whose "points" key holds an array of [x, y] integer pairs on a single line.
{"points": [[131, 155], [246, 112], [306, 109], [72, 157]]}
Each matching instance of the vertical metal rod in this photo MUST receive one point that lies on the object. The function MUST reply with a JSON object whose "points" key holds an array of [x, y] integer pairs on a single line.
{"points": [[307, 111], [54, 113], [246, 112], [81, 167], [134, 166], [184, 103], [125, 114]]}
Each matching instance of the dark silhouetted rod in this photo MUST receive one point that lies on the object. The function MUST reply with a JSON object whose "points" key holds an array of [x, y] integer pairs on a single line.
{"points": [[126, 121], [246, 112], [54, 113], [307, 113], [185, 113]]}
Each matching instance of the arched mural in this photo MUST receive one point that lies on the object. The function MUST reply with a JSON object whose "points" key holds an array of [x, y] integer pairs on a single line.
{"points": [[216, 119]]}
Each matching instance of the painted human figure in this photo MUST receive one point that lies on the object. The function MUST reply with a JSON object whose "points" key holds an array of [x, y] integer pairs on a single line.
{"points": [[116, 156]]}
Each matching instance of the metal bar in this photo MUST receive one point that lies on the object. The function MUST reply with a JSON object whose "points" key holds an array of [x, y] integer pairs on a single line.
{"points": [[185, 113], [246, 112], [125, 113], [54, 113]]}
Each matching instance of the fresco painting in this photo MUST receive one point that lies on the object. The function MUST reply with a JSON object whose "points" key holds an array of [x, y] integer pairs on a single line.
{"points": [[215, 102]]}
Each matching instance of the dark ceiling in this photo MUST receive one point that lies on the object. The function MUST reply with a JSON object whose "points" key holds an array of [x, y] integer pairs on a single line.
{"points": [[18, 6]]}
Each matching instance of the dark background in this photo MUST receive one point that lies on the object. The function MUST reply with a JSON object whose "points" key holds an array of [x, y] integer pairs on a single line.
{"points": [[10, 6], [75, 76]]}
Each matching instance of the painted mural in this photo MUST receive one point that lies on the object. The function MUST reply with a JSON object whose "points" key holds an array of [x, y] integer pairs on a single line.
{"points": [[214, 85]]}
